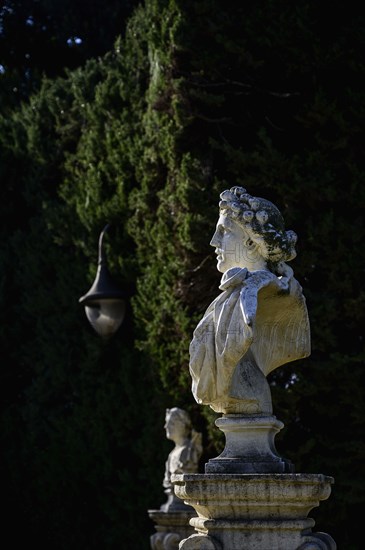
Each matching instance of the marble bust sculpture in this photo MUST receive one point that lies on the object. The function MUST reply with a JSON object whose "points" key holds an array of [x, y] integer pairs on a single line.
{"points": [[259, 321], [184, 457], [249, 496]]}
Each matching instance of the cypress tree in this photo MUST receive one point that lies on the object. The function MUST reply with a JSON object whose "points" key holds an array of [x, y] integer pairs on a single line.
{"points": [[195, 98]]}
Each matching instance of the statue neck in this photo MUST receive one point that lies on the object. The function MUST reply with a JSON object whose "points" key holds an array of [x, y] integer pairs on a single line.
{"points": [[180, 441]]}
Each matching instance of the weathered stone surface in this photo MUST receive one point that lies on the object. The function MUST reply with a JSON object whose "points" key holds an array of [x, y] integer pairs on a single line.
{"points": [[250, 498], [255, 511], [171, 527], [259, 321], [250, 446]]}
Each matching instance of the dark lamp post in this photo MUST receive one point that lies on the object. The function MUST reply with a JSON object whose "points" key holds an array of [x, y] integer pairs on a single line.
{"points": [[105, 301]]}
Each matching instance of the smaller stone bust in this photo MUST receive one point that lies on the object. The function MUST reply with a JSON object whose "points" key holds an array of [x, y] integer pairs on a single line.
{"points": [[184, 457]]}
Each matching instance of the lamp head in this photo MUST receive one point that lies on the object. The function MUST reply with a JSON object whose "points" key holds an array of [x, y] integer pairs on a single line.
{"points": [[105, 302]]}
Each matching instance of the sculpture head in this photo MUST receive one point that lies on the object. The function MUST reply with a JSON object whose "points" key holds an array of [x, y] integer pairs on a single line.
{"points": [[177, 424], [250, 233]]}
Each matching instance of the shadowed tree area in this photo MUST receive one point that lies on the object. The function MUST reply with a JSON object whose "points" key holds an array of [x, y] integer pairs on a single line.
{"points": [[144, 131], [43, 38]]}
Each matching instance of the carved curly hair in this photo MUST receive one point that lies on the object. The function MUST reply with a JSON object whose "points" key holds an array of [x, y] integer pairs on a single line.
{"points": [[263, 223]]}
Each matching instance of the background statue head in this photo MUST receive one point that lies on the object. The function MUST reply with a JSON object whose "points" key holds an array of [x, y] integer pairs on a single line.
{"points": [[177, 425], [250, 233]]}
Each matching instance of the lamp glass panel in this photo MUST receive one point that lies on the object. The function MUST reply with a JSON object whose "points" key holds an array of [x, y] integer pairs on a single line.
{"points": [[105, 315]]}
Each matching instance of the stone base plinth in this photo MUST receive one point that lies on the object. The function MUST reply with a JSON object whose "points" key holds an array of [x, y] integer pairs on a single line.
{"points": [[250, 446], [254, 511], [171, 528]]}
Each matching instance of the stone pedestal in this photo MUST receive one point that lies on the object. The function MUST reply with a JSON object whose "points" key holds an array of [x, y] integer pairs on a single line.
{"points": [[254, 511], [171, 528], [250, 446], [171, 523]]}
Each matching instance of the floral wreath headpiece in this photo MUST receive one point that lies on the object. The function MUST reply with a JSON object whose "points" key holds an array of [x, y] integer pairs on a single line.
{"points": [[262, 221]]}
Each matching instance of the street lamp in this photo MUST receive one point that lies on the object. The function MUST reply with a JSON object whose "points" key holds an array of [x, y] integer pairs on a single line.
{"points": [[105, 301]]}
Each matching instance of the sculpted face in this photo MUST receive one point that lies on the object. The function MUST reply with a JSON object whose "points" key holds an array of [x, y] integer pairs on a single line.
{"points": [[174, 426], [234, 247]]}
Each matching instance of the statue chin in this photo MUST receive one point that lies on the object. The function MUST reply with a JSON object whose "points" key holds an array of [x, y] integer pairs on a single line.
{"points": [[220, 266]]}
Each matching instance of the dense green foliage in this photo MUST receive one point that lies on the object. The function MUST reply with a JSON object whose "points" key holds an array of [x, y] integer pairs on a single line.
{"points": [[195, 98]]}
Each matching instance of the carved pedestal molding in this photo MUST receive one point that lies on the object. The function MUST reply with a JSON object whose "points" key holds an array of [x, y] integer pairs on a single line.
{"points": [[171, 528], [250, 446], [254, 511]]}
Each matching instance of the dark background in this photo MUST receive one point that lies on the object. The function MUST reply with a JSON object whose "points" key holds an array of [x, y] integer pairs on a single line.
{"points": [[140, 114]]}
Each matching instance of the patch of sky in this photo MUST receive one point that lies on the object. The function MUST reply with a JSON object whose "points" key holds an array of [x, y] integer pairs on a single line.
{"points": [[74, 40], [294, 378]]}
